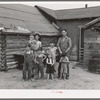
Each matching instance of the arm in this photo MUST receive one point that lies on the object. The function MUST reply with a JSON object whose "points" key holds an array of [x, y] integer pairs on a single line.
{"points": [[70, 45], [48, 62], [59, 46], [44, 57]]}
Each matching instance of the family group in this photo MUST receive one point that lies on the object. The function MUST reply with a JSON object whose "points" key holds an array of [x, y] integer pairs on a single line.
{"points": [[36, 58]]}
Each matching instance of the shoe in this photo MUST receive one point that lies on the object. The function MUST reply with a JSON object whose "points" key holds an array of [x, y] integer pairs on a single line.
{"points": [[73, 67], [67, 78], [30, 80], [23, 80]]}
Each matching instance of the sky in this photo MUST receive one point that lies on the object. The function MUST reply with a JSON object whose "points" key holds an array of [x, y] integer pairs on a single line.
{"points": [[59, 5]]}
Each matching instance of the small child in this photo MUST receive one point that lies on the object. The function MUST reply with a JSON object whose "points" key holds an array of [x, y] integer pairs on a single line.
{"points": [[32, 41], [50, 66], [28, 63], [53, 50], [40, 66], [64, 61]]}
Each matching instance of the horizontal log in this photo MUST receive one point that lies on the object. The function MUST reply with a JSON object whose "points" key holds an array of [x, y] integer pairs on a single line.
{"points": [[11, 60], [12, 63], [17, 41], [15, 47], [14, 50], [9, 56], [13, 66]]}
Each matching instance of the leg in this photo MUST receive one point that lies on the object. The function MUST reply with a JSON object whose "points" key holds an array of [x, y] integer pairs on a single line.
{"points": [[64, 75], [61, 71], [59, 68], [24, 70], [48, 76], [36, 71], [52, 75], [42, 73], [29, 69], [60, 75], [67, 70]]}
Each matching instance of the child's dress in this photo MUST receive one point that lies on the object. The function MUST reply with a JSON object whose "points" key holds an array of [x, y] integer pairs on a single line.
{"points": [[50, 68], [64, 61]]}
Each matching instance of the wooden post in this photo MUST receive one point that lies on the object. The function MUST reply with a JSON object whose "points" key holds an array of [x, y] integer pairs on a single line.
{"points": [[81, 45], [3, 52], [0, 50], [78, 43]]}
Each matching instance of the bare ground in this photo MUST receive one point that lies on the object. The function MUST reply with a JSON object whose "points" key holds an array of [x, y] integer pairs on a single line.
{"points": [[79, 79]]}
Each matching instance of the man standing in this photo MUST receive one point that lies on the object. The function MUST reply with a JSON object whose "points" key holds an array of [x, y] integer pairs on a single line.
{"points": [[64, 44]]}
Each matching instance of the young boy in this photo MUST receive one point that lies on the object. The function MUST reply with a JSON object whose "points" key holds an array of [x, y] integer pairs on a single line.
{"points": [[64, 61], [53, 50], [40, 66], [28, 63]]}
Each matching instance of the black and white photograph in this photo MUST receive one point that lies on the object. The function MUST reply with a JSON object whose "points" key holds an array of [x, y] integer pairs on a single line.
{"points": [[50, 45]]}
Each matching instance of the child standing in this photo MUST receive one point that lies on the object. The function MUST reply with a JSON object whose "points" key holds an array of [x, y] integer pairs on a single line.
{"points": [[50, 66], [28, 63], [64, 61], [53, 50], [40, 66]]}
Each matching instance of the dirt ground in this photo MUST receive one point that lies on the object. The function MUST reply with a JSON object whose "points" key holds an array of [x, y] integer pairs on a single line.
{"points": [[79, 79]]}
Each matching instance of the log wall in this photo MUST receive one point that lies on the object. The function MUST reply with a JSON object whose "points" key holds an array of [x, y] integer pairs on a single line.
{"points": [[15, 44], [91, 45]]}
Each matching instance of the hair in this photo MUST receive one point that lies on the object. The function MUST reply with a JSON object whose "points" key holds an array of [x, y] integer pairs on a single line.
{"points": [[64, 30], [52, 43], [37, 33]]}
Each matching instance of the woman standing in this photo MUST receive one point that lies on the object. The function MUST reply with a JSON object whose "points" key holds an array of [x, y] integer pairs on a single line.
{"points": [[38, 48]]}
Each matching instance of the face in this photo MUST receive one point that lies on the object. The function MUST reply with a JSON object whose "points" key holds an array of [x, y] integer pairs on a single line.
{"points": [[39, 52], [31, 37], [37, 37], [52, 44], [64, 33], [27, 48]]}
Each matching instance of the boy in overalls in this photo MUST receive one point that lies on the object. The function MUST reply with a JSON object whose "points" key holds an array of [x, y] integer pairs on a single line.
{"points": [[28, 63]]}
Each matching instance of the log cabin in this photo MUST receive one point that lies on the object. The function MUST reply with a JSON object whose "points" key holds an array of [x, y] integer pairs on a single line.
{"points": [[17, 22]]}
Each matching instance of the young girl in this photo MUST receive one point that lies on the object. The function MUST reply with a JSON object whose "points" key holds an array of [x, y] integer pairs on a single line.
{"points": [[64, 61], [50, 66]]}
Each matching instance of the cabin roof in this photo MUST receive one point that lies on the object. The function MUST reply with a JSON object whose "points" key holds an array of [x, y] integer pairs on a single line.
{"points": [[50, 12], [78, 13], [91, 23], [27, 17]]}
